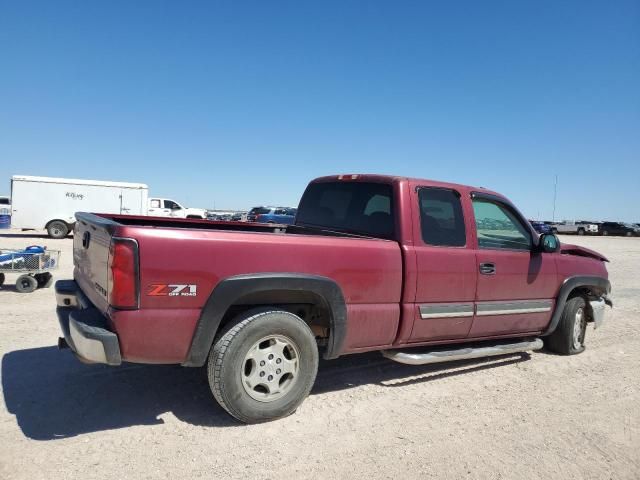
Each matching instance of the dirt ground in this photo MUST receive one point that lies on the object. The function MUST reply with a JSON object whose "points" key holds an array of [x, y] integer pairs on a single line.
{"points": [[537, 416]]}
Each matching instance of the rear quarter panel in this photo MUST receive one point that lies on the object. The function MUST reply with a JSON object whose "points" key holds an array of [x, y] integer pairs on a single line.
{"points": [[368, 271]]}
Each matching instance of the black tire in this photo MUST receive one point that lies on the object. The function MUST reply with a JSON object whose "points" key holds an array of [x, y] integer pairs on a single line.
{"points": [[581, 231], [554, 230], [26, 284], [57, 229], [1, 279], [562, 340], [45, 280], [605, 232], [227, 365], [629, 234]]}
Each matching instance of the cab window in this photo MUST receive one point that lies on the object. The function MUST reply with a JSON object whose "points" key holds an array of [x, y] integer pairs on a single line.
{"points": [[498, 227]]}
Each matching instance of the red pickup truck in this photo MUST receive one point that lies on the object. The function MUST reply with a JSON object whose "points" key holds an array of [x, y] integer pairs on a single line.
{"points": [[423, 271]]}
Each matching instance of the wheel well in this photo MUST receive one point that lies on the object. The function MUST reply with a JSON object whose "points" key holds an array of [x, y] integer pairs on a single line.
{"points": [[587, 294], [310, 307], [194, 216]]}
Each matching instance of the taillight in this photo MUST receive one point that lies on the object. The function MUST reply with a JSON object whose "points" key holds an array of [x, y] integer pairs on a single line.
{"points": [[123, 273]]}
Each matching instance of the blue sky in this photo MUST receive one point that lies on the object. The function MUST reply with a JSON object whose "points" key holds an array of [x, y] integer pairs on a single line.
{"points": [[236, 104]]}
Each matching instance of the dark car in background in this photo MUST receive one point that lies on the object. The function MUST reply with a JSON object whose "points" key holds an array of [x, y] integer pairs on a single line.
{"points": [[620, 228], [540, 227]]}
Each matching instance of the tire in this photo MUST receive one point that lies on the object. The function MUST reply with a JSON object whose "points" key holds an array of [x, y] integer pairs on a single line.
{"points": [[581, 231], [1, 279], [57, 229], [569, 336], [605, 232], [554, 231], [45, 280], [26, 284], [253, 342], [629, 234]]}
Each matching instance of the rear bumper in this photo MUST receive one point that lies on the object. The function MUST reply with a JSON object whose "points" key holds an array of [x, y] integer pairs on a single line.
{"points": [[84, 327]]}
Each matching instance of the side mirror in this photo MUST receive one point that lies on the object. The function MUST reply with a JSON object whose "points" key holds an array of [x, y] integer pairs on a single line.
{"points": [[549, 243]]}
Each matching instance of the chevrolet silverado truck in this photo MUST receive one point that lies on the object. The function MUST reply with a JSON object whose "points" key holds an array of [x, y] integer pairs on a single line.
{"points": [[422, 271]]}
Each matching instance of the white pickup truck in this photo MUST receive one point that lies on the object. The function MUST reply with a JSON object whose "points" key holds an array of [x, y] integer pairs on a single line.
{"points": [[576, 228], [165, 207]]}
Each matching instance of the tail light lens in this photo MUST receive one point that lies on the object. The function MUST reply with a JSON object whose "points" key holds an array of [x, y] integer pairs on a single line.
{"points": [[123, 273]]}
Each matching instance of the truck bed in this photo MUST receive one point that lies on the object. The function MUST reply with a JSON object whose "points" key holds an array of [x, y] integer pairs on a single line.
{"points": [[200, 254]]}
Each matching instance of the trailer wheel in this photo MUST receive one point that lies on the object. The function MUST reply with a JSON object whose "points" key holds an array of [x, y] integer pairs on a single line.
{"points": [[1, 279], [26, 284], [263, 365], [45, 280], [57, 229]]}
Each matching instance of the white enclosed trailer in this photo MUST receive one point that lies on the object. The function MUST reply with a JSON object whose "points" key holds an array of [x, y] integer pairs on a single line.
{"points": [[51, 203]]}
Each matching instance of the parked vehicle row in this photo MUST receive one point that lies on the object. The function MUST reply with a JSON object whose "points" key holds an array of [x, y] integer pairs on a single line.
{"points": [[587, 228]]}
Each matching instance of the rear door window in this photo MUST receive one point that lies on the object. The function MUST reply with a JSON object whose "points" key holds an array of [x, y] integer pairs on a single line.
{"points": [[441, 217]]}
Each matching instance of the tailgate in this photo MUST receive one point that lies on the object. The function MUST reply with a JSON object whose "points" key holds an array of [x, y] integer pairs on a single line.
{"points": [[91, 242]]}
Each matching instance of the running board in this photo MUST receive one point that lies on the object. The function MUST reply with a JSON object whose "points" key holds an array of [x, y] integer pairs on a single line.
{"points": [[464, 353]]}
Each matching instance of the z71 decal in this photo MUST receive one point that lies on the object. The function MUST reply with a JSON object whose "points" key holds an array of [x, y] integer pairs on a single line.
{"points": [[164, 290]]}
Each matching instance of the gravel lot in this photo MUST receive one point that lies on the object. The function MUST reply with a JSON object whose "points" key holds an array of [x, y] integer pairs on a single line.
{"points": [[537, 416]]}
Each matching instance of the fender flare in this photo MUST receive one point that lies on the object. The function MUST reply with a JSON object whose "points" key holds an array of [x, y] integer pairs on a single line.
{"points": [[230, 290], [599, 285]]}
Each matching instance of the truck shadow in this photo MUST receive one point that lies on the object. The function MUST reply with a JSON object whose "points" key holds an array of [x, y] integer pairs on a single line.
{"points": [[54, 396]]}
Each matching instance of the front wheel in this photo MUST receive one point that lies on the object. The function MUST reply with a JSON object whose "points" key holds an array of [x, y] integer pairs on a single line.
{"points": [[581, 231], [568, 337], [263, 365], [605, 232]]}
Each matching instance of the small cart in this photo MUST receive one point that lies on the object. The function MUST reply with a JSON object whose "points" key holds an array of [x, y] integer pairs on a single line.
{"points": [[32, 265]]}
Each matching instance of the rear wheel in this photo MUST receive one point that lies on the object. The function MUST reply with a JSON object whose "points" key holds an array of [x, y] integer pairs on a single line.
{"points": [[57, 229], [1, 279], [26, 284], [581, 231], [263, 365], [605, 232], [569, 336]]}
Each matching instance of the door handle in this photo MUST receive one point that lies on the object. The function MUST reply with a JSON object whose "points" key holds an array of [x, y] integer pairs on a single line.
{"points": [[488, 268]]}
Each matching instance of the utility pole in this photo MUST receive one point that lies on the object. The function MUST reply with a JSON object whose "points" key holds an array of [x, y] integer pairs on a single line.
{"points": [[555, 195]]}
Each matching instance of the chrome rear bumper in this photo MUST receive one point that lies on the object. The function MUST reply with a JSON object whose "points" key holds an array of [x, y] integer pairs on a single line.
{"points": [[84, 327]]}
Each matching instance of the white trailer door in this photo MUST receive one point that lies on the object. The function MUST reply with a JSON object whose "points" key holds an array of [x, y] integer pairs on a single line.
{"points": [[132, 201]]}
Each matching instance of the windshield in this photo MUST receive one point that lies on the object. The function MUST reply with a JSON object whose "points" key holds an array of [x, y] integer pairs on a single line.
{"points": [[352, 207]]}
